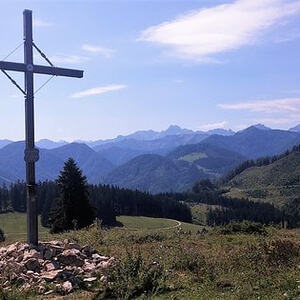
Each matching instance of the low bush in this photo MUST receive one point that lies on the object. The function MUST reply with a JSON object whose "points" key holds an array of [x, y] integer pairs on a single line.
{"points": [[134, 277], [282, 252], [187, 259], [2, 236], [146, 238], [245, 227]]}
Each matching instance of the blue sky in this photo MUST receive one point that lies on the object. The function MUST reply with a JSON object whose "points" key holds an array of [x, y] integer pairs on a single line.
{"points": [[148, 64]]}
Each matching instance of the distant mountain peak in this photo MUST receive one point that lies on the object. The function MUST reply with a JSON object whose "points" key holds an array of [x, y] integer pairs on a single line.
{"points": [[261, 127], [173, 127], [221, 131], [295, 129], [174, 130]]}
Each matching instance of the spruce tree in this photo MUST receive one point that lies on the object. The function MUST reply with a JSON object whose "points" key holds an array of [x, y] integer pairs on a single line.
{"points": [[72, 209]]}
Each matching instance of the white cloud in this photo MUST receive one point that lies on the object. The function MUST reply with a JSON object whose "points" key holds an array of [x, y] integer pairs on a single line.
{"points": [[270, 106], [41, 23], [106, 52], [99, 90], [204, 33], [68, 59], [213, 126]]}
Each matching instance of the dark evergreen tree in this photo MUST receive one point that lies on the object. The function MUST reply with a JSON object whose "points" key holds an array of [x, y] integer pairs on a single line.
{"points": [[72, 210]]}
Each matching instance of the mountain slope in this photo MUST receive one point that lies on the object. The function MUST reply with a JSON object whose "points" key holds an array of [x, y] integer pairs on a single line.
{"points": [[295, 129], [94, 166], [12, 165], [48, 144], [154, 173], [277, 182], [212, 159], [253, 142], [161, 146], [119, 156], [4, 143]]}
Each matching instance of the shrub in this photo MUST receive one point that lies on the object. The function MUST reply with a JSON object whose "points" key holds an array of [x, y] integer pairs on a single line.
{"points": [[132, 278], [2, 236], [282, 251], [245, 227], [146, 238], [188, 260]]}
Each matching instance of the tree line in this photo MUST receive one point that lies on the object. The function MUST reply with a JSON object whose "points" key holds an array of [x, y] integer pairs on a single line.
{"points": [[106, 201]]}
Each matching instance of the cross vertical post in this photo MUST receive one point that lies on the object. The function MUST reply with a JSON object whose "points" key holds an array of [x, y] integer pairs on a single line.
{"points": [[31, 153], [32, 219]]}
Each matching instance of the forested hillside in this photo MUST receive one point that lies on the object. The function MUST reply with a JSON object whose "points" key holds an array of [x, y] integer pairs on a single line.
{"points": [[212, 159], [155, 174], [275, 179]]}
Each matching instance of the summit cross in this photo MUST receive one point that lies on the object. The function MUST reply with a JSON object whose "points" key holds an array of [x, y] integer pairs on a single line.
{"points": [[31, 153]]}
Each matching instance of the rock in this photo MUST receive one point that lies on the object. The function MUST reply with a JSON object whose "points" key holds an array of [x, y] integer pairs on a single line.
{"points": [[51, 266], [103, 278], [89, 267], [49, 253], [26, 286], [90, 279], [103, 265], [97, 258], [32, 264], [32, 253], [87, 250], [10, 249], [64, 263], [49, 292], [67, 287], [72, 246], [71, 257], [51, 275]]}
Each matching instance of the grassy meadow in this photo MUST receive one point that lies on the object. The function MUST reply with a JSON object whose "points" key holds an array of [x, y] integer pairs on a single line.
{"points": [[162, 259]]}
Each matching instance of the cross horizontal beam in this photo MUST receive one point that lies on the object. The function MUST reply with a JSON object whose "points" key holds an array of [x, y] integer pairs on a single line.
{"points": [[38, 69]]}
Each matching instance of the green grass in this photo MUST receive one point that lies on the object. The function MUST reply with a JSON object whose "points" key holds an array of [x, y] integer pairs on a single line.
{"points": [[192, 157], [145, 223], [192, 265], [14, 226], [155, 224]]}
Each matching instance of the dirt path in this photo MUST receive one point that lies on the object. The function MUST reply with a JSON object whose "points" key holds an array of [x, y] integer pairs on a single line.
{"points": [[178, 224], [172, 227]]}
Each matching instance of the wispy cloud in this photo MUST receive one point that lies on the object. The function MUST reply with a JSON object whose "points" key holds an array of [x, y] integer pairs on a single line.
{"points": [[41, 23], [68, 59], [106, 52], [202, 34], [270, 106], [99, 90], [213, 126], [285, 120], [287, 37]]}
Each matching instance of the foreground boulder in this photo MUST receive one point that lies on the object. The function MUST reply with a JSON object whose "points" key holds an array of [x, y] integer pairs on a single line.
{"points": [[64, 263]]}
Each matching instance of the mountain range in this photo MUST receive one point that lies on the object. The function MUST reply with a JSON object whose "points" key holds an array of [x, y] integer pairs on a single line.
{"points": [[142, 135], [171, 162]]}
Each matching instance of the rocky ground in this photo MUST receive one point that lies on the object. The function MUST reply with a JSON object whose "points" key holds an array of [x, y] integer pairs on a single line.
{"points": [[51, 267]]}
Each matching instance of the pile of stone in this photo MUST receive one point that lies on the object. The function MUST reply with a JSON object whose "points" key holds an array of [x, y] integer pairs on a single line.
{"points": [[65, 264]]}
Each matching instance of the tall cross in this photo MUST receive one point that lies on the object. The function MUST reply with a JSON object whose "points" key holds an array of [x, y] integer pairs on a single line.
{"points": [[31, 153]]}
